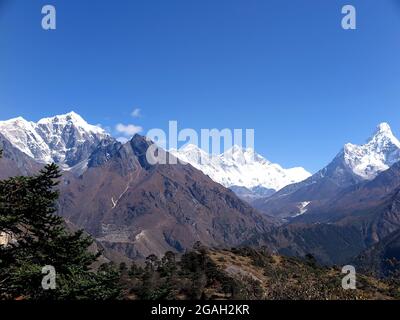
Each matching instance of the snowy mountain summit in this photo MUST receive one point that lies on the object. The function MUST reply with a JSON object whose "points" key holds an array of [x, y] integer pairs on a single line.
{"points": [[380, 152], [64, 139], [241, 167]]}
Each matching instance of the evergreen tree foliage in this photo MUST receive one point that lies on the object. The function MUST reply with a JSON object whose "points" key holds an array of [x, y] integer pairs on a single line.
{"points": [[39, 238]]}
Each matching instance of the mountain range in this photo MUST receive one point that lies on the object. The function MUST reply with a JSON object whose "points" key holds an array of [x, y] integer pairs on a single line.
{"points": [[134, 207], [354, 164], [352, 220], [241, 167], [68, 141], [348, 211], [128, 205], [65, 139]]}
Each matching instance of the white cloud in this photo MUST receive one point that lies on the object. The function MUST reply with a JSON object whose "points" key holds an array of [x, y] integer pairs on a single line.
{"points": [[128, 130], [136, 113]]}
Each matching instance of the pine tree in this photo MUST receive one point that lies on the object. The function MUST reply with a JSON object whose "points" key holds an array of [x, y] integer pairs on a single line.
{"points": [[39, 238]]}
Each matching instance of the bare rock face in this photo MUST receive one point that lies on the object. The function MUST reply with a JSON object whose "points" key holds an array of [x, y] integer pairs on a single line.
{"points": [[14, 162], [136, 208]]}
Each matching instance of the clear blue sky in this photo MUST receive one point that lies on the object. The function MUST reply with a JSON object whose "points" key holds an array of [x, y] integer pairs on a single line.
{"points": [[285, 68]]}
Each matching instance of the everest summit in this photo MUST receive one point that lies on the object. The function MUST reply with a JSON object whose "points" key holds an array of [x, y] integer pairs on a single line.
{"points": [[240, 167]]}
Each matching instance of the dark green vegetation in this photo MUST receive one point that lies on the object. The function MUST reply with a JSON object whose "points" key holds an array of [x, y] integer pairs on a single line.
{"points": [[245, 274], [34, 237]]}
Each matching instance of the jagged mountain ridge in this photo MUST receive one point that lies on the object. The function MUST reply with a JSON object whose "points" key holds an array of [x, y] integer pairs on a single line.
{"points": [[103, 178], [63, 139], [380, 152], [353, 164], [338, 230], [240, 167]]}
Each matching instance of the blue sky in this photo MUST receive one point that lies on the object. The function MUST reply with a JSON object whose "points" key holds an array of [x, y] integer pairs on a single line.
{"points": [[285, 68]]}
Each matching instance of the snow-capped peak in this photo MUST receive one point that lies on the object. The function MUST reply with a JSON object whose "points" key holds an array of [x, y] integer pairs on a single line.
{"points": [[380, 152], [71, 118], [384, 128], [239, 166], [63, 139], [243, 155], [236, 149], [383, 137], [191, 147]]}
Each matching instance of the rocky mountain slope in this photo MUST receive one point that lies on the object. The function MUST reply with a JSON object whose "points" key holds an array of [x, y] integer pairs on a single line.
{"points": [[338, 230], [14, 162], [136, 208], [382, 259]]}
